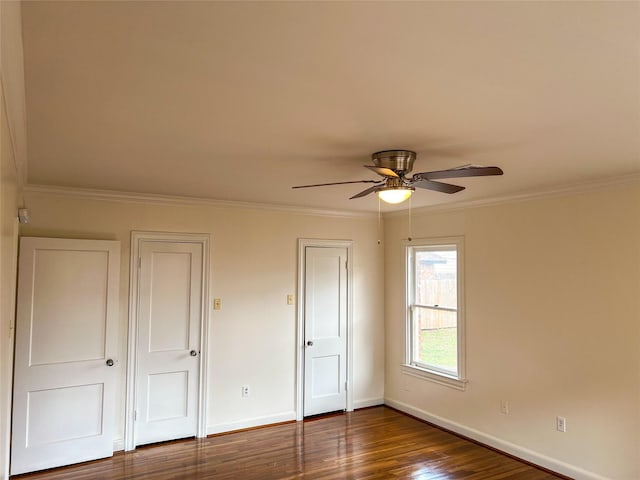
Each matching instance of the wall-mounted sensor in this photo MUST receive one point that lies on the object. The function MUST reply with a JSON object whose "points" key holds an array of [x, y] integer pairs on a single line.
{"points": [[23, 215]]}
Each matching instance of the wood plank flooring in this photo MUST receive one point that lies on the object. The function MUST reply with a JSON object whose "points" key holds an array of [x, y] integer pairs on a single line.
{"points": [[369, 444]]}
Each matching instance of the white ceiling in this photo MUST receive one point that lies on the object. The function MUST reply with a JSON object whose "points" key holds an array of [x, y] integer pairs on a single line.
{"points": [[240, 101]]}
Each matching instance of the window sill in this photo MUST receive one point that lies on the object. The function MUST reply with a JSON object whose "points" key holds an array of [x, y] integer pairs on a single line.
{"points": [[439, 378]]}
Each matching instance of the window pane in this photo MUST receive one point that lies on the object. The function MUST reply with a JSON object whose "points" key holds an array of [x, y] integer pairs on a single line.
{"points": [[435, 338], [436, 281]]}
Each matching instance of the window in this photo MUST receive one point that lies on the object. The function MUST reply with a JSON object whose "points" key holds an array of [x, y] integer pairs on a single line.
{"points": [[435, 321]]}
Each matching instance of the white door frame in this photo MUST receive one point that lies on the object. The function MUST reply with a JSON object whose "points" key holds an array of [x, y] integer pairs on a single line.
{"points": [[302, 244], [136, 241]]}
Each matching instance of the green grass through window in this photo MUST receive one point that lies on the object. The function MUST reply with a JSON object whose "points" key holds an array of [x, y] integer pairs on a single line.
{"points": [[438, 347]]}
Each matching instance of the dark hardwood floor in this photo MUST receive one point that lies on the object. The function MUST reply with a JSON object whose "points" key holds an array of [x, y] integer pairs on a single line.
{"points": [[374, 443]]}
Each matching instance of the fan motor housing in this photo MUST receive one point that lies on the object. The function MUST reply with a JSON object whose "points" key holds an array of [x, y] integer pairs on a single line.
{"points": [[400, 161]]}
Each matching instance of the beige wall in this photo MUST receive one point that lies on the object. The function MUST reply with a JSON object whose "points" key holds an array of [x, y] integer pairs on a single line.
{"points": [[253, 268], [553, 326], [12, 149], [8, 239]]}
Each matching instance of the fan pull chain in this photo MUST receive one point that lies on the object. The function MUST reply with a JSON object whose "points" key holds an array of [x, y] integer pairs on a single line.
{"points": [[409, 238], [379, 221]]}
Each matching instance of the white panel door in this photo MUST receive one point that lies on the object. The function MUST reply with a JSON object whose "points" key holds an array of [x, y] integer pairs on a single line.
{"points": [[325, 327], [168, 360], [65, 364]]}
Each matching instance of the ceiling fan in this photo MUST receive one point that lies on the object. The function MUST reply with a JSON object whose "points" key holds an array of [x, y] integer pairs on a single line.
{"points": [[396, 187]]}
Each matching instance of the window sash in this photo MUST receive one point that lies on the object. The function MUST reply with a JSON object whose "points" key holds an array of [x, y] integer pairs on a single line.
{"points": [[415, 352], [435, 307], [412, 352]]}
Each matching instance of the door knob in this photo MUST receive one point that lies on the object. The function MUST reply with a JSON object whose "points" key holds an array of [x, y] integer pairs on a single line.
{"points": [[109, 363], [193, 353], [310, 343]]}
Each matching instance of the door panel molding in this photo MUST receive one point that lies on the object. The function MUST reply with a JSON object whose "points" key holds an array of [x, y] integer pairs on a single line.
{"points": [[303, 243], [137, 239], [63, 393]]}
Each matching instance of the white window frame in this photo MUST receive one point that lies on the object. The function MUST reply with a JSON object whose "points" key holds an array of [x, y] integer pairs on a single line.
{"points": [[432, 373]]}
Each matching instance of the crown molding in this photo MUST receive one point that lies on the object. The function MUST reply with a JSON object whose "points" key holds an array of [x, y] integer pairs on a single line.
{"points": [[175, 200], [571, 189]]}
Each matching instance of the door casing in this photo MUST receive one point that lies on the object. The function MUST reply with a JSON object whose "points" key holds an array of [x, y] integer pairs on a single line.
{"points": [[137, 238], [300, 350]]}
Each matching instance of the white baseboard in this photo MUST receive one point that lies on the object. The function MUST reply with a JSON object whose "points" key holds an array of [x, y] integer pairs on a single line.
{"points": [[251, 422], [118, 444], [367, 402], [517, 451]]}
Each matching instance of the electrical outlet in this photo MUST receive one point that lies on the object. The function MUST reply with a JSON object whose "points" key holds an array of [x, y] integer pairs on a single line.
{"points": [[504, 407], [245, 391], [561, 424]]}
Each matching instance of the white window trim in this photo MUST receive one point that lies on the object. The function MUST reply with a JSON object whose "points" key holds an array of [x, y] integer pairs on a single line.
{"points": [[442, 378]]}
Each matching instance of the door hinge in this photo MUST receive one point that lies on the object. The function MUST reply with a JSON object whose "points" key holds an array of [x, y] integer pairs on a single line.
{"points": [[346, 264], [135, 415], [139, 262], [345, 386]]}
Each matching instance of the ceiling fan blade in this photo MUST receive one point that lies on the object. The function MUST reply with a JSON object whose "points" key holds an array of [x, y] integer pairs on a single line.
{"points": [[385, 172], [466, 171], [438, 186], [366, 192], [336, 183]]}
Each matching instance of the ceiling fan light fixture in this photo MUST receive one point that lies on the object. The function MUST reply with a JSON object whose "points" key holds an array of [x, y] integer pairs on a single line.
{"points": [[395, 186], [395, 195]]}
